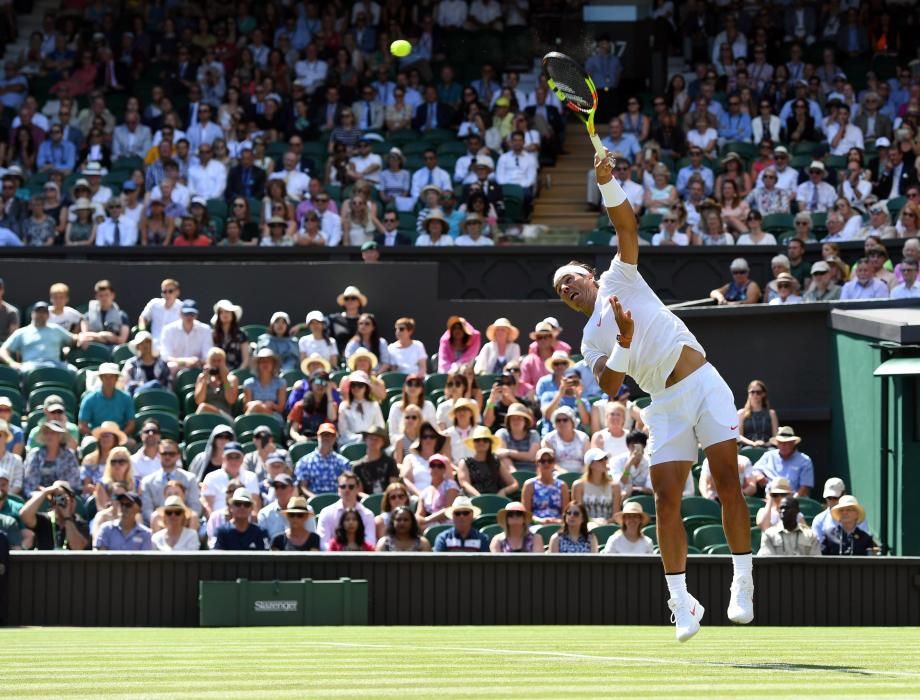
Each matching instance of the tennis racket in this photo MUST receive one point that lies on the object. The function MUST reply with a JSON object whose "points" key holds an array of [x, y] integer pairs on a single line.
{"points": [[575, 89]]}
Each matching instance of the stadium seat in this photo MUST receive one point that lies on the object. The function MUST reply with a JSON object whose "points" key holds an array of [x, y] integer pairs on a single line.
{"points": [[435, 381], [490, 503], [651, 531], [717, 549], [338, 376], [645, 500], [198, 426], [158, 398], [754, 504], [692, 522], [547, 531], [599, 237], [809, 508], [372, 502], [777, 223], [169, 422], [122, 353], [753, 453], [708, 535], [185, 379], [48, 376], [603, 533], [321, 500], [485, 381], [393, 380], [192, 450], [302, 449], [569, 478], [15, 397], [10, 377], [696, 505], [692, 550], [244, 425], [895, 205], [254, 330], [432, 532], [484, 520], [522, 475], [37, 397], [756, 536], [354, 451], [643, 402], [92, 355], [292, 376], [491, 531]]}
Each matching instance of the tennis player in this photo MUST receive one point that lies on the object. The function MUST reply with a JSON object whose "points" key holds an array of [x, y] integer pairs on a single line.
{"points": [[629, 331]]}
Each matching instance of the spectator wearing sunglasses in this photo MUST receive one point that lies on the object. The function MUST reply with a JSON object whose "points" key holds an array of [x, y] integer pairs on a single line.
{"points": [[755, 234], [388, 235], [125, 534], [239, 532], [670, 234], [176, 535], [741, 290], [154, 484]]}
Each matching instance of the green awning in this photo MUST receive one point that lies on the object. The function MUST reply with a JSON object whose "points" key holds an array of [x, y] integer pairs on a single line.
{"points": [[898, 367]]}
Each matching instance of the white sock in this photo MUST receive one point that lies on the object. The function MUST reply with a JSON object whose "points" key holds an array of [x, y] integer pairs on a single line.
{"points": [[743, 564], [677, 585]]}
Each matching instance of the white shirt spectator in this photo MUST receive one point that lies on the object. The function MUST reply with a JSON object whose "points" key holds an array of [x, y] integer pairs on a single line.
{"points": [[786, 179], [324, 347], [809, 201], [791, 299], [362, 163], [516, 169], [215, 484], [451, 13], [771, 129], [768, 239], [209, 180], [468, 241], [406, 359], [203, 133], [102, 196], [311, 74], [425, 240], [175, 342], [181, 196], [853, 138], [296, 183], [67, 319], [903, 292], [436, 176], [639, 476], [695, 138], [678, 238], [371, 10], [618, 544], [156, 316], [485, 11], [125, 235], [144, 465], [328, 521], [331, 225]]}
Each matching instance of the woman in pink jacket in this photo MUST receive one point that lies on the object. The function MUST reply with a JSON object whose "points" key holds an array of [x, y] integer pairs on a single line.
{"points": [[459, 344]]}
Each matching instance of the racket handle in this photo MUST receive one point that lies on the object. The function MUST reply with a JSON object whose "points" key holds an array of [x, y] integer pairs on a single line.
{"points": [[598, 146]]}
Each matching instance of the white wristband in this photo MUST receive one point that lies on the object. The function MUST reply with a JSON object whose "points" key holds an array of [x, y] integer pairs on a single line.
{"points": [[612, 193], [619, 359]]}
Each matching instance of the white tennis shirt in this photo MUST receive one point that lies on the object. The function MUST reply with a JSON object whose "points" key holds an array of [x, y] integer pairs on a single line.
{"points": [[658, 338]]}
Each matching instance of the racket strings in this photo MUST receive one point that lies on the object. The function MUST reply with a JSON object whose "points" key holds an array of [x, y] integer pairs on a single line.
{"points": [[570, 80]]}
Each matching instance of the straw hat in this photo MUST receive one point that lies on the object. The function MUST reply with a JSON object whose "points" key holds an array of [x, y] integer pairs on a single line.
{"points": [[435, 215], [82, 204], [540, 328], [632, 508], [108, 426], [312, 359], [503, 322], [268, 353], [468, 404], [848, 502], [359, 353], [378, 431], [482, 432], [780, 486], [141, 337], [227, 305], [786, 434], [462, 503], [174, 502], [470, 218], [519, 409], [514, 507], [731, 155], [351, 291], [298, 504], [558, 356]]}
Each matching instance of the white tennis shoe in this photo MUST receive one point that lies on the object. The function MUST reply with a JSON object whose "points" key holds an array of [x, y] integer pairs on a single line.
{"points": [[741, 604], [687, 615]]}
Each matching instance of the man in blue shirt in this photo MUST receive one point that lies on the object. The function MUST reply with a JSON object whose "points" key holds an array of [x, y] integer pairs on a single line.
{"points": [[125, 534], [462, 537], [37, 345], [696, 167], [618, 142], [57, 154], [787, 462], [318, 472], [605, 70], [241, 534], [107, 403], [733, 124]]}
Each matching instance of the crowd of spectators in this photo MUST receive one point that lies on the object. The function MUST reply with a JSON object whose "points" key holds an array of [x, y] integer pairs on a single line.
{"points": [[326, 435], [274, 124]]}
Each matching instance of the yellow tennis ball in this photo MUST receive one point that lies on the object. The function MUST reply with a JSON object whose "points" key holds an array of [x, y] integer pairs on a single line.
{"points": [[401, 48]]}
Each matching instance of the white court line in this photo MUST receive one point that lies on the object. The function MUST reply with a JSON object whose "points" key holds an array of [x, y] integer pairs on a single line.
{"points": [[618, 659]]}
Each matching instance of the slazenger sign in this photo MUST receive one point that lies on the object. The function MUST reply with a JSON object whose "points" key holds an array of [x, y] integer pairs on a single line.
{"points": [[275, 606]]}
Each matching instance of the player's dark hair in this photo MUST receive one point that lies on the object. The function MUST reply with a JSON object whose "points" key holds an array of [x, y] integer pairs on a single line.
{"points": [[585, 265], [636, 436]]}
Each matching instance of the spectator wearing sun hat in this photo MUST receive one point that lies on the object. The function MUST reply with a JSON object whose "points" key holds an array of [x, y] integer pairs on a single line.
{"points": [[146, 370], [317, 342], [786, 461], [847, 538], [108, 403], [240, 533], [214, 485], [533, 366], [515, 520], [473, 235], [501, 349], [462, 537], [344, 324], [278, 339], [51, 461], [11, 466], [358, 411], [629, 538], [435, 227], [823, 287]]}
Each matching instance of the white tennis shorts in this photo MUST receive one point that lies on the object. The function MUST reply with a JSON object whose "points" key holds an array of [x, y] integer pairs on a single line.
{"points": [[698, 410]]}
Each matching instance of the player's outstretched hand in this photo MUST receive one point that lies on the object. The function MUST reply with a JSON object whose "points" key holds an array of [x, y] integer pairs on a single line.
{"points": [[624, 319], [603, 168]]}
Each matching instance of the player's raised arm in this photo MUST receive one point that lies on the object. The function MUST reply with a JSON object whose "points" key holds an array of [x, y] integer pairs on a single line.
{"points": [[618, 209]]}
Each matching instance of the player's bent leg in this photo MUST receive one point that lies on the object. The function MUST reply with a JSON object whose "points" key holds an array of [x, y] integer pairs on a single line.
{"points": [[668, 480], [723, 462]]}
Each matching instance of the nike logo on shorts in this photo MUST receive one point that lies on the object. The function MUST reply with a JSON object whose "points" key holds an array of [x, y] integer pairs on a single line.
{"points": [[734, 427]]}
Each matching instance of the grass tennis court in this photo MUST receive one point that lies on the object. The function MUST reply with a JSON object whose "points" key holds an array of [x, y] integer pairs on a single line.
{"points": [[459, 662]]}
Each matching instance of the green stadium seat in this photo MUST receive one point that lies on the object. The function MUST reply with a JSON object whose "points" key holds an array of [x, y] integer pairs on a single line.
{"points": [[895, 205], [803, 148], [692, 522], [708, 535], [435, 381], [254, 330], [777, 223], [569, 478], [522, 475], [745, 149], [647, 502], [717, 549], [192, 450], [198, 426], [484, 520], [643, 402], [432, 532], [603, 533], [393, 380], [292, 376], [339, 375], [185, 379], [403, 137], [169, 422], [416, 147], [598, 237], [15, 397], [809, 508], [697, 505], [547, 531], [92, 356], [485, 381], [54, 376], [157, 398], [650, 222], [372, 502], [37, 397], [354, 451], [217, 209], [302, 449], [10, 377], [122, 353], [753, 453], [693, 550], [244, 425], [456, 148], [754, 504], [756, 536], [651, 531], [321, 500], [242, 374], [440, 136], [490, 503], [491, 531]]}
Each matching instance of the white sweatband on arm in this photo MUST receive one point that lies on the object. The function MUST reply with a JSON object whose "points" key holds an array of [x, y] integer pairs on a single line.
{"points": [[619, 359], [612, 193]]}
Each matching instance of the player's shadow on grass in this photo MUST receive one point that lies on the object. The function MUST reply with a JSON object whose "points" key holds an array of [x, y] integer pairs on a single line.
{"points": [[784, 666]]}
